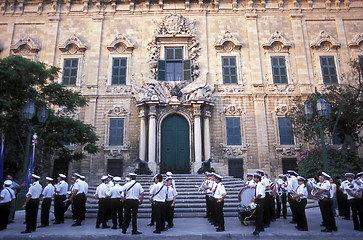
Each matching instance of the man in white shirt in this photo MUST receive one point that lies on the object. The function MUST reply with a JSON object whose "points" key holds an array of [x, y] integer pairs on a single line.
{"points": [[292, 186], [354, 198], [219, 195], [31, 204], [301, 201], [206, 185], [259, 200], [158, 194], [281, 189], [61, 189], [250, 183], [171, 194], [345, 204], [116, 204], [78, 198], [101, 195], [134, 194], [6, 197], [47, 194]]}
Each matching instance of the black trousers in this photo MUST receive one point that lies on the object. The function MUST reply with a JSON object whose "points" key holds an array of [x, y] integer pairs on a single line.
{"points": [[169, 213], [131, 207], [59, 207], [44, 214], [102, 214], [117, 212], [357, 213], [268, 204], [218, 208], [346, 208], [108, 208], [259, 214], [4, 214], [207, 205], [31, 214], [292, 204], [79, 204], [281, 201], [212, 205], [327, 213], [159, 215], [300, 214]]}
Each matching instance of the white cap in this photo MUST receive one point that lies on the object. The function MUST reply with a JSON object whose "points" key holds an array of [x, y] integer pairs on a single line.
{"points": [[324, 174], [8, 182], [292, 172], [117, 179], [260, 171], [35, 176], [169, 173], [133, 174], [77, 175], [104, 178], [218, 176], [49, 179], [168, 178], [82, 177], [62, 175]]}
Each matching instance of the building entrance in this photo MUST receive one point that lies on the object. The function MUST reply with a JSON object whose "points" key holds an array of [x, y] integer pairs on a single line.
{"points": [[175, 153]]}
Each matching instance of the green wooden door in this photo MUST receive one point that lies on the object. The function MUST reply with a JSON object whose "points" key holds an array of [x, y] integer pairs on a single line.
{"points": [[175, 145]]}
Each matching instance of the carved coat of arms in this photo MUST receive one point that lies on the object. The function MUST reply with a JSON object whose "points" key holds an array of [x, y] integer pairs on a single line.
{"points": [[173, 24]]}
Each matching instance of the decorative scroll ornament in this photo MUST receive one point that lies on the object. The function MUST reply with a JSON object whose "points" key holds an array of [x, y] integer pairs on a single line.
{"points": [[228, 42], [234, 151], [117, 110], [357, 41], [174, 24], [63, 112], [287, 150], [73, 45], [121, 44], [232, 110], [276, 42], [282, 110], [25, 46], [324, 41]]}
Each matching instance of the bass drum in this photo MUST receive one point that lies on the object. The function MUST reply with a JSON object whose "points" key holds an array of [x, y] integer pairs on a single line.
{"points": [[245, 196], [247, 208]]}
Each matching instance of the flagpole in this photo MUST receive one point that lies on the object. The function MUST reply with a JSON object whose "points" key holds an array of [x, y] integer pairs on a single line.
{"points": [[2, 157]]}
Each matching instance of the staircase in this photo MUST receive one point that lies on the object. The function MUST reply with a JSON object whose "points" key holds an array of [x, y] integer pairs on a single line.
{"points": [[189, 203]]}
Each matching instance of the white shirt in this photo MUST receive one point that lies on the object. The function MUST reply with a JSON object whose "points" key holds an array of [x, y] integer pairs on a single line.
{"points": [[325, 186], [292, 184], [35, 190], [134, 192], [260, 190], [78, 185], [115, 191], [302, 189], [84, 185], [212, 186], [102, 190], [171, 193], [61, 188], [48, 191], [7, 195], [344, 186], [160, 195], [266, 182], [251, 183], [220, 190]]}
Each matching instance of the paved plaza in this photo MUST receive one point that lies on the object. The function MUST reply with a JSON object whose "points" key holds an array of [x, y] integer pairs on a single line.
{"points": [[184, 229]]}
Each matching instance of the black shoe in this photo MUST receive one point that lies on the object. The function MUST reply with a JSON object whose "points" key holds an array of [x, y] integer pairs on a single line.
{"points": [[284, 217], [57, 223], [266, 225], [335, 229], [164, 229], [170, 226], [26, 231], [114, 227], [136, 232], [42, 226], [105, 226], [326, 230], [346, 218], [76, 224], [256, 232], [293, 222], [123, 231], [322, 225], [150, 224], [220, 230], [302, 229], [158, 232], [97, 226]]}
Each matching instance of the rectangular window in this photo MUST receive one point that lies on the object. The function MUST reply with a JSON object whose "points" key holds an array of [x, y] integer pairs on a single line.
{"points": [[360, 59], [279, 72], [233, 127], [119, 71], [229, 70], [174, 67], [70, 69], [328, 70], [285, 131], [116, 135]]}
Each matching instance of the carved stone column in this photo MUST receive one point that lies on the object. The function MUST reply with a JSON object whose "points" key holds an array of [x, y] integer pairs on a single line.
{"points": [[142, 141], [152, 137], [206, 136], [197, 137]]}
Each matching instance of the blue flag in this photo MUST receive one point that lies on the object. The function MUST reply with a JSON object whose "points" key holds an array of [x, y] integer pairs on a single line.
{"points": [[30, 167], [2, 150]]}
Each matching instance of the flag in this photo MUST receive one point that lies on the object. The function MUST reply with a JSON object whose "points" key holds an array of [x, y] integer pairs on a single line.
{"points": [[2, 150], [30, 167]]}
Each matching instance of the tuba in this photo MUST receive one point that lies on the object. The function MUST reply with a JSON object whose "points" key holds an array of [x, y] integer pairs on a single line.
{"points": [[314, 188]]}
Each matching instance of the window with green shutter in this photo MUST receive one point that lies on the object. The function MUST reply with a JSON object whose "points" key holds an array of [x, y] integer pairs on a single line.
{"points": [[70, 69], [174, 67], [285, 131], [116, 131], [279, 72], [328, 70], [119, 67], [229, 70], [233, 130]]}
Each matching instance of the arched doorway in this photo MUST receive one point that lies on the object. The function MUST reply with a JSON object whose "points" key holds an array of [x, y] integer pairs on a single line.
{"points": [[175, 155]]}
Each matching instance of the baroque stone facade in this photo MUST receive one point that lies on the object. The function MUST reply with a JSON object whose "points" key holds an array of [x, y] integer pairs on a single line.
{"points": [[249, 31]]}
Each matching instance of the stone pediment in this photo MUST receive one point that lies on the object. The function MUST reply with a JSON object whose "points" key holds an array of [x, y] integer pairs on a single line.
{"points": [[121, 44], [24, 46], [73, 45], [276, 42], [228, 42], [357, 41], [324, 41]]}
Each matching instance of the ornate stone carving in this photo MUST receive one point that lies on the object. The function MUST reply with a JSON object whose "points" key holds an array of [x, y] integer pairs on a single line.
{"points": [[282, 110], [73, 45], [231, 89], [287, 150], [281, 88], [234, 151], [228, 42], [276, 42], [175, 26], [324, 41], [121, 44], [117, 110], [357, 41], [232, 110], [63, 112], [25, 46]]}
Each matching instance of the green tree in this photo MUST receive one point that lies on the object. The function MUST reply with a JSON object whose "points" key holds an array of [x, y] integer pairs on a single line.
{"points": [[22, 80]]}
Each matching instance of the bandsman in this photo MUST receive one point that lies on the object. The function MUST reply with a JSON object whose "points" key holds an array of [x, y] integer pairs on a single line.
{"points": [[300, 199], [101, 195], [259, 200], [6, 197], [116, 203], [171, 195], [47, 194], [61, 189]]}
